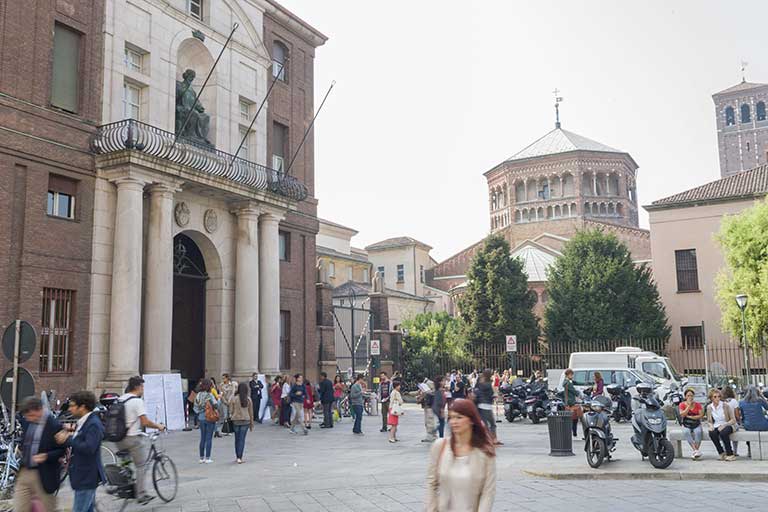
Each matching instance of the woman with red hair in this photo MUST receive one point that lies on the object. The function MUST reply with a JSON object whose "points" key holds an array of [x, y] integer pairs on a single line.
{"points": [[462, 468]]}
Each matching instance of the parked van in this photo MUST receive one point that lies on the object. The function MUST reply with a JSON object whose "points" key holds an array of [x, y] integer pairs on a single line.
{"points": [[630, 357], [584, 378]]}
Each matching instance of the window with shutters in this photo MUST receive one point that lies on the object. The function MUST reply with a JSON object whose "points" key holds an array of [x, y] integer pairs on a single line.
{"points": [[246, 137], [195, 9], [692, 336], [57, 328], [401, 273], [131, 101], [687, 271], [62, 193], [65, 84]]}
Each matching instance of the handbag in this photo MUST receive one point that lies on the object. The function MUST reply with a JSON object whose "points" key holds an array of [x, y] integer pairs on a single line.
{"points": [[396, 409], [211, 414]]}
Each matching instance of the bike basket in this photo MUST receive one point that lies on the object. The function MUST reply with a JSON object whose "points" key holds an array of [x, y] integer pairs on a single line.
{"points": [[118, 476]]}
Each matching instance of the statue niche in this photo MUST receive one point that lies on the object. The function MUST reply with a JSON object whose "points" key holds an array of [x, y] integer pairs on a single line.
{"points": [[196, 129]]}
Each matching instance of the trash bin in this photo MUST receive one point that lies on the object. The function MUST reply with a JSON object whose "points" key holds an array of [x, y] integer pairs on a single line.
{"points": [[560, 439]]}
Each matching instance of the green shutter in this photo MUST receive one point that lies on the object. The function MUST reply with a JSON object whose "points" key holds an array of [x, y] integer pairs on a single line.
{"points": [[66, 60]]}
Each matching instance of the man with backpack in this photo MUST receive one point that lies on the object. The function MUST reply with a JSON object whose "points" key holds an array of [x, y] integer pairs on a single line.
{"points": [[125, 421]]}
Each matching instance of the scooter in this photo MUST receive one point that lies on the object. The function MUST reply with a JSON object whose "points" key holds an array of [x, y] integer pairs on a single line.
{"points": [[537, 401], [599, 442], [514, 401], [650, 426], [621, 402]]}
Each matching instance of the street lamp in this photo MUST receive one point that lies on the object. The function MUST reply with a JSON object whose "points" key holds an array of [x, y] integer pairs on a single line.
{"points": [[741, 301]]}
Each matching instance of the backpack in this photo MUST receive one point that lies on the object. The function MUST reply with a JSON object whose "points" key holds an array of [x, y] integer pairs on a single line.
{"points": [[115, 427]]}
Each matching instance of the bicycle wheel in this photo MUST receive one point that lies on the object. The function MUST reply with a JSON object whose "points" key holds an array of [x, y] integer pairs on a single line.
{"points": [[9, 472], [164, 478], [107, 456]]}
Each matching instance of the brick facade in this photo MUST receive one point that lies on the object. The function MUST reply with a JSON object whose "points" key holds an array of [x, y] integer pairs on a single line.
{"points": [[38, 140], [742, 142]]}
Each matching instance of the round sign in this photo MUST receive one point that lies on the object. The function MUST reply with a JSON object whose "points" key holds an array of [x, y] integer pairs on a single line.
{"points": [[27, 340], [25, 388]]}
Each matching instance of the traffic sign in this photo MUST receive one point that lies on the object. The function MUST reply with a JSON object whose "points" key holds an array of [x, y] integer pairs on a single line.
{"points": [[375, 347], [512, 343], [27, 341], [24, 388]]}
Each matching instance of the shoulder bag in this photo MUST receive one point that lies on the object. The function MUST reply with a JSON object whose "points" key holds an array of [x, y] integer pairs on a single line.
{"points": [[211, 413]]}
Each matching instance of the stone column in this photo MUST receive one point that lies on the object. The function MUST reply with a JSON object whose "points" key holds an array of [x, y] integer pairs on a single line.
{"points": [[269, 288], [158, 296], [247, 293], [125, 309]]}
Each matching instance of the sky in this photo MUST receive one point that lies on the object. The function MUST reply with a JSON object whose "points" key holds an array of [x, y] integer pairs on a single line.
{"points": [[431, 94]]}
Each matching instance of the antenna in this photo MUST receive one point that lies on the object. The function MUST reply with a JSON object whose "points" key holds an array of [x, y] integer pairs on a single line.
{"points": [[558, 100], [744, 65]]}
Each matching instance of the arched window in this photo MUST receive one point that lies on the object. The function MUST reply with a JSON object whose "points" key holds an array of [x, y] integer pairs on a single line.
{"points": [[730, 116], [279, 61], [518, 217], [760, 111], [519, 192], [543, 297], [745, 114]]}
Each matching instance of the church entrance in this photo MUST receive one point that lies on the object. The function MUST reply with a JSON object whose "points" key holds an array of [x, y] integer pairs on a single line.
{"points": [[189, 282]]}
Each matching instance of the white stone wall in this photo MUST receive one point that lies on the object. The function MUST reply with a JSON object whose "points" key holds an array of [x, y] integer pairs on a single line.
{"points": [[162, 30]]}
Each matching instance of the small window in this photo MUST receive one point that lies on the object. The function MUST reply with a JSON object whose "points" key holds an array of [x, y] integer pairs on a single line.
{"points": [[57, 330], [687, 271], [349, 273], [421, 273], [134, 60], [285, 246], [65, 86], [760, 111], [745, 114], [245, 137], [400, 273], [61, 197], [131, 101], [380, 270], [692, 337], [279, 146], [285, 340], [331, 269], [366, 275], [730, 116], [195, 8], [245, 111], [279, 61]]}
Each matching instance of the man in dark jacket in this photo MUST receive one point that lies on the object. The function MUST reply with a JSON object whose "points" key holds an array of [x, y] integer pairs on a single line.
{"points": [[40, 468], [256, 388], [85, 469], [296, 395], [326, 398]]}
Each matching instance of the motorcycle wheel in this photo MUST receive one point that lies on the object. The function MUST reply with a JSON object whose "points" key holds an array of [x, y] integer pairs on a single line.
{"points": [[535, 418], [510, 417], [664, 457], [596, 452]]}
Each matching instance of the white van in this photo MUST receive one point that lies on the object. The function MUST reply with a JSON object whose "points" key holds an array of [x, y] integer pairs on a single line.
{"points": [[630, 357], [584, 378]]}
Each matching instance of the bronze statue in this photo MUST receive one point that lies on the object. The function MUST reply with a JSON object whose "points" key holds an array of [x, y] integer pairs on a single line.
{"points": [[197, 127]]}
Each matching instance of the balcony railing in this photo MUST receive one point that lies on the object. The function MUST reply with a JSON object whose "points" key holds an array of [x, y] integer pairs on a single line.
{"points": [[135, 135]]}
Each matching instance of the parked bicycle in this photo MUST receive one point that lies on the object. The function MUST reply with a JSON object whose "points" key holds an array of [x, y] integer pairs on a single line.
{"points": [[121, 477]]}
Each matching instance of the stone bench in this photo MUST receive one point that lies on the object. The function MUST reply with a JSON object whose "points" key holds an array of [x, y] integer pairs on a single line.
{"points": [[760, 440]]}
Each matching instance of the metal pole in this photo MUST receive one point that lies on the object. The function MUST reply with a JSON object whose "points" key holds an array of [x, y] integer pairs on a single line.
{"points": [[352, 334], [706, 358], [309, 128], [15, 386], [744, 344]]}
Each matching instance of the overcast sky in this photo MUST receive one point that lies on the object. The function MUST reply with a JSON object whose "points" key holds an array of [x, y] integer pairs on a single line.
{"points": [[431, 94]]}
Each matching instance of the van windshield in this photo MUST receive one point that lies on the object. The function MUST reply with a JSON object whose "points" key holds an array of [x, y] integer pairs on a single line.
{"points": [[678, 377], [646, 377]]}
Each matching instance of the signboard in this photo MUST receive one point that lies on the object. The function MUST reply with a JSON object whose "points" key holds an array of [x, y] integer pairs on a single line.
{"points": [[375, 347], [512, 343], [27, 341], [164, 400], [25, 387], [154, 397]]}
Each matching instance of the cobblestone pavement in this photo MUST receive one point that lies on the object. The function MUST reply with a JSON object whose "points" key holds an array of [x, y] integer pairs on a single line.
{"points": [[332, 470]]}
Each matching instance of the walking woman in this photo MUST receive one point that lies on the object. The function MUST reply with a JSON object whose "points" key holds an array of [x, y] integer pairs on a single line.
{"points": [[438, 405], [462, 468], [285, 404], [395, 410], [570, 400], [309, 403], [484, 398], [241, 411], [721, 421], [206, 408], [338, 393], [275, 391], [692, 412]]}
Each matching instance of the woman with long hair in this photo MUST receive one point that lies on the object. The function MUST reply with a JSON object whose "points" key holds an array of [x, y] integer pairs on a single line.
{"points": [[753, 408], [395, 410], [241, 413], [462, 468], [285, 406], [205, 405], [338, 393], [274, 392]]}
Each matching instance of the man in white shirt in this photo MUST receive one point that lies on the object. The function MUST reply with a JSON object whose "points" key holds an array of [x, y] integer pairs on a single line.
{"points": [[135, 420]]}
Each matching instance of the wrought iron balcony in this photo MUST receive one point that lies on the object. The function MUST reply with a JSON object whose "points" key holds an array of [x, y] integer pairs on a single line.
{"points": [[130, 134]]}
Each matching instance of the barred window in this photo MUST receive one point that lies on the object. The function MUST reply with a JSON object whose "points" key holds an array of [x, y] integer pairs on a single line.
{"points": [[401, 273], [687, 272], [56, 333], [692, 337]]}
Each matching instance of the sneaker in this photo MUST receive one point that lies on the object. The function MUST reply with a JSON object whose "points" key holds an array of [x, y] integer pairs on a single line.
{"points": [[392, 441], [291, 431], [730, 458], [428, 440], [383, 430], [722, 456], [202, 461], [696, 455], [209, 461], [239, 461], [143, 500]]}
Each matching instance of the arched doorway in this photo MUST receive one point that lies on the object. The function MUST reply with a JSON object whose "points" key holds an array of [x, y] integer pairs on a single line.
{"points": [[189, 283]]}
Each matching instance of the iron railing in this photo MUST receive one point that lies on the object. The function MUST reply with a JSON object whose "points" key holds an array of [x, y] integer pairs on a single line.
{"points": [[130, 134]]}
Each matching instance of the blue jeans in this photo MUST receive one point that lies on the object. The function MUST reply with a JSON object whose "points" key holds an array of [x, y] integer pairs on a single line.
{"points": [[85, 500], [240, 432], [207, 429], [441, 426], [357, 412]]}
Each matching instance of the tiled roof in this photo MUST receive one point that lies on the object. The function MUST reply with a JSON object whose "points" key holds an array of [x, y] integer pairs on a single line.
{"points": [[400, 241], [743, 86], [746, 184], [561, 141]]}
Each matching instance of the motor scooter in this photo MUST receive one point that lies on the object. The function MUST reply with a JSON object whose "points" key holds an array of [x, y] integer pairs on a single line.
{"points": [[514, 400], [599, 442], [621, 402], [650, 429]]}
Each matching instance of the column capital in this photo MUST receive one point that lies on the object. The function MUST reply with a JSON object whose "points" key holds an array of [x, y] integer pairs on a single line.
{"points": [[246, 209], [272, 214], [163, 187]]}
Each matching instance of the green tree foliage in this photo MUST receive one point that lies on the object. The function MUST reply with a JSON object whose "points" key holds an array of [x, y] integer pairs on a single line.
{"points": [[596, 292], [744, 239], [497, 301], [432, 339]]}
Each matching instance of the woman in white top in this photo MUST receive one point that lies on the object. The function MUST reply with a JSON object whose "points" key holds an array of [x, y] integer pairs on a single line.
{"points": [[729, 397], [462, 469], [395, 411], [721, 424]]}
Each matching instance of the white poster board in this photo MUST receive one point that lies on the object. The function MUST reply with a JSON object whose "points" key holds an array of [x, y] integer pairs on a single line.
{"points": [[164, 400], [512, 343], [375, 347]]}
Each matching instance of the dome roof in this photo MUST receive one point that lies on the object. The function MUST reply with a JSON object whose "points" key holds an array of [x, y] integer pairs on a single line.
{"points": [[561, 141]]}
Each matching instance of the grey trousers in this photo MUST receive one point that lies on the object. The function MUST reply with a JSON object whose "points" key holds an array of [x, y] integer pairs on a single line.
{"points": [[429, 423], [137, 447]]}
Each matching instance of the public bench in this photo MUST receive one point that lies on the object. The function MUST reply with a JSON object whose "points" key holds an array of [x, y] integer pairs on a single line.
{"points": [[758, 440]]}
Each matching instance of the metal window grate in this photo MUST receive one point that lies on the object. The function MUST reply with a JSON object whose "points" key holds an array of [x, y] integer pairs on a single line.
{"points": [[687, 271], [692, 337], [57, 329]]}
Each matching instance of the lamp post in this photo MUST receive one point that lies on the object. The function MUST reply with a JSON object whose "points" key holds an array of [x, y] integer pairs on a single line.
{"points": [[741, 301]]}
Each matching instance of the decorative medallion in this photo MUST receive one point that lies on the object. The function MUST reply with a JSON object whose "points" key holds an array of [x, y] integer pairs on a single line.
{"points": [[210, 221], [181, 213]]}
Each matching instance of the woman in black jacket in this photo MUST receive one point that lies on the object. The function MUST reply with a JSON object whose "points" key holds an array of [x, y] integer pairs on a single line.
{"points": [[484, 399]]}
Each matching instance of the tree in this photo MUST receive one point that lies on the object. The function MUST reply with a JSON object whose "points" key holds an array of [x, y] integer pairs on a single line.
{"points": [[744, 239], [596, 292], [432, 339], [497, 301]]}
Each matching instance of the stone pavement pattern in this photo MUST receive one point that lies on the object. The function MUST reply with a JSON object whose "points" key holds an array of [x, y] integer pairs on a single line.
{"points": [[332, 470]]}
